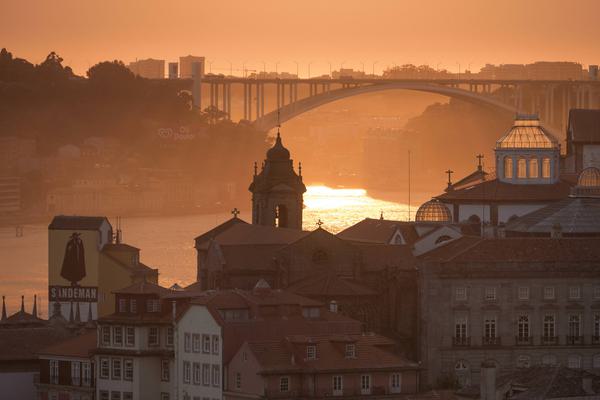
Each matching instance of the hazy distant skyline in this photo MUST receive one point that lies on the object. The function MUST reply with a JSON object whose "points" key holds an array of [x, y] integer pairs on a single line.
{"points": [[437, 32]]}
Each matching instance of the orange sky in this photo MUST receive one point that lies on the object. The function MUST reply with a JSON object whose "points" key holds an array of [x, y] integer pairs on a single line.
{"points": [[351, 31]]}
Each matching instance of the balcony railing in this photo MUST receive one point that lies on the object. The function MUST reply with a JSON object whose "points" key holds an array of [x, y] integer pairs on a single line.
{"points": [[574, 340], [490, 341], [549, 340], [461, 341], [524, 340]]}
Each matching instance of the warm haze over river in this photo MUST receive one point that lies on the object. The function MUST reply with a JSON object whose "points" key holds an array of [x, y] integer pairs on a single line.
{"points": [[167, 242]]}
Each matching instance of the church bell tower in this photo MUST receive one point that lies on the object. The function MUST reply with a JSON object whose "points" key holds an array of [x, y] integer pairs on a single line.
{"points": [[277, 191]]}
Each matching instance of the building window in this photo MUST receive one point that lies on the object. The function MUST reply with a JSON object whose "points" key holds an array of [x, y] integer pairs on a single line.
{"points": [[114, 395], [574, 293], [460, 331], [284, 384], [164, 371], [104, 368], [238, 380], [549, 293], [104, 395], [574, 326], [169, 336], [490, 293], [311, 352], [186, 372], [205, 374], [508, 167], [523, 361], [596, 328], [596, 292], [153, 336], [127, 395], [122, 305], [546, 173], [549, 324], [365, 384], [106, 335], [118, 336], [549, 359], [133, 306], [206, 344], [75, 373], [396, 382], [489, 330], [460, 293], [596, 361], [574, 361], [216, 375], [164, 396], [54, 372], [338, 385], [128, 369], [523, 293], [216, 344], [116, 368], [130, 336], [196, 342], [350, 350], [197, 374], [86, 373], [187, 346], [462, 372], [152, 305], [521, 168], [523, 328], [534, 169]]}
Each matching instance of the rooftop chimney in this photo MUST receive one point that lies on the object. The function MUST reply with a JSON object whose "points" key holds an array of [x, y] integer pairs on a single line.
{"points": [[3, 310], [34, 311]]}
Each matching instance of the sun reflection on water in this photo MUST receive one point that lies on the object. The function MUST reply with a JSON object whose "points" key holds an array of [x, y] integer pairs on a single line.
{"points": [[340, 208]]}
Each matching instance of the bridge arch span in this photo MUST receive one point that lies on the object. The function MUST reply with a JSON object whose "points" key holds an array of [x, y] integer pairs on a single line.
{"points": [[287, 112]]}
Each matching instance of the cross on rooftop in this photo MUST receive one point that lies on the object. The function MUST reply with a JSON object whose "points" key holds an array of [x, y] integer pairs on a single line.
{"points": [[449, 172], [319, 223], [235, 212], [479, 158]]}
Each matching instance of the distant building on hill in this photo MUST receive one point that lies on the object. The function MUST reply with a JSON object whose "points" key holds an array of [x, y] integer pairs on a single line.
{"points": [[186, 64], [149, 68]]}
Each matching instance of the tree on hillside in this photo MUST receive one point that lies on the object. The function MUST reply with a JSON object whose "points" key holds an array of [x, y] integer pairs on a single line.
{"points": [[51, 69], [113, 73]]}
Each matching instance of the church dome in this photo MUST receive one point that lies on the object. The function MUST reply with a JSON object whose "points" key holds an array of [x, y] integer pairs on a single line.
{"points": [[527, 133], [278, 152], [589, 177], [433, 211]]}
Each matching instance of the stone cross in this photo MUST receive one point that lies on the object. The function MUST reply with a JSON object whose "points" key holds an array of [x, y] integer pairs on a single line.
{"points": [[235, 212], [319, 223], [480, 157], [449, 172]]}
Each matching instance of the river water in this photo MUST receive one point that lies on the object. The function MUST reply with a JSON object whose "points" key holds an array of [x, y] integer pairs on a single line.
{"points": [[167, 243]]}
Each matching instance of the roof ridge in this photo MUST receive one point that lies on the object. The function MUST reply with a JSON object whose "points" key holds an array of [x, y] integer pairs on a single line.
{"points": [[465, 249]]}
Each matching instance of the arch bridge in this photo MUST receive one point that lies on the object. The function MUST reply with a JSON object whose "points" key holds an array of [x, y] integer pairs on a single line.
{"points": [[550, 99]]}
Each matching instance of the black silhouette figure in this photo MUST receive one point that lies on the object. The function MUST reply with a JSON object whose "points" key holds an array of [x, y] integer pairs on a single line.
{"points": [[73, 267]]}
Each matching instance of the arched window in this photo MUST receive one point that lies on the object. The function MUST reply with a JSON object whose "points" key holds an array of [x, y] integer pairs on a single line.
{"points": [[474, 219], [534, 169], [508, 168], [574, 361], [521, 168], [546, 172], [281, 216], [463, 373], [549, 359]]}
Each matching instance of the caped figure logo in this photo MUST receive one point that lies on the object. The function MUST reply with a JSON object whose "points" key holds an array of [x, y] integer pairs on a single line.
{"points": [[73, 267]]}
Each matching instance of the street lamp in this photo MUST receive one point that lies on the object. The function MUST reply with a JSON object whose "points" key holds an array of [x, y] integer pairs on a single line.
{"points": [[244, 68], [210, 63], [277, 68], [297, 69], [264, 67], [230, 67], [363, 67], [309, 69], [373, 71], [329, 62], [458, 70]]}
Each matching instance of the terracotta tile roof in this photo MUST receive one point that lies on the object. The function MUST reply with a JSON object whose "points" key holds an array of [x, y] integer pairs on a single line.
{"points": [[25, 343], [143, 287], [376, 257], [574, 215], [289, 355], [70, 222], [119, 247], [521, 249], [478, 176], [80, 346], [237, 233], [584, 125], [329, 285], [378, 231], [494, 190]]}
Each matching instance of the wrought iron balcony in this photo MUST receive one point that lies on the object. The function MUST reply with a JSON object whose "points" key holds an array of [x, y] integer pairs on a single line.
{"points": [[461, 341], [574, 340], [490, 341], [524, 340], [549, 340]]}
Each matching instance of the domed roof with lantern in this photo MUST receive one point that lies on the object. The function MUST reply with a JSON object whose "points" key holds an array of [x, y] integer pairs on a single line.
{"points": [[433, 211], [527, 133]]}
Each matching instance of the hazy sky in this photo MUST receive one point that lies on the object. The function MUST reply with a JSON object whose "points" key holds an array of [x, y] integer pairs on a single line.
{"points": [[84, 32]]}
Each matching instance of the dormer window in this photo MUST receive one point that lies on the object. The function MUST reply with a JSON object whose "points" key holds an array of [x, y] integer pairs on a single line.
{"points": [[122, 305], [152, 305], [311, 352], [311, 312], [133, 306], [350, 350]]}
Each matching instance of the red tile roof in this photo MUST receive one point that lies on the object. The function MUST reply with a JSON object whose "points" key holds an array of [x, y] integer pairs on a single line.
{"points": [[143, 287], [495, 190], [80, 346], [329, 285], [379, 231]]}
